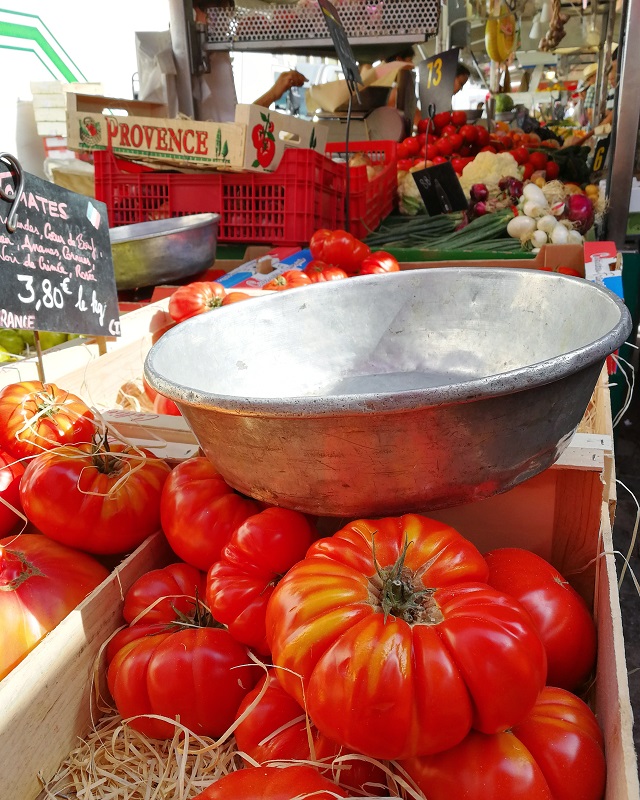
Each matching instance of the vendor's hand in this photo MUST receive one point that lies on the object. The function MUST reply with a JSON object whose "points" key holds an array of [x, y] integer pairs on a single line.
{"points": [[286, 80]]}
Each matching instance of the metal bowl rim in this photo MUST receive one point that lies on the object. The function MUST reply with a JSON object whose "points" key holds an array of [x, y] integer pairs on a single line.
{"points": [[139, 231], [539, 374]]}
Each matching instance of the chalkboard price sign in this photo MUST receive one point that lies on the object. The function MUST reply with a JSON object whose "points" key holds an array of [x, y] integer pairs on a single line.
{"points": [[440, 189], [341, 43], [56, 272], [436, 77]]}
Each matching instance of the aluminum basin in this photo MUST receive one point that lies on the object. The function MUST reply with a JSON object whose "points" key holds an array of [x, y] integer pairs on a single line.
{"points": [[163, 250], [389, 393]]}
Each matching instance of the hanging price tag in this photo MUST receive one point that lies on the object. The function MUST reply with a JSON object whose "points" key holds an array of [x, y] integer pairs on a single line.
{"points": [[600, 154], [440, 189], [436, 76], [56, 272], [341, 43]]}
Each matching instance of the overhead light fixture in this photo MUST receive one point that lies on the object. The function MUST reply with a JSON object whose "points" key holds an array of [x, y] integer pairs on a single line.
{"points": [[550, 75], [534, 33], [545, 13]]}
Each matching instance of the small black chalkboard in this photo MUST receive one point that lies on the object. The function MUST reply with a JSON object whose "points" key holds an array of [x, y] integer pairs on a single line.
{"points": [[600, 154], [440, 189], [436, 76], [56, 272], [341, 43]]}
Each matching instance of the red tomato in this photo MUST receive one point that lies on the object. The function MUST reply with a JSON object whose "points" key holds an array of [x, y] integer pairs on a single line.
{"points": [[459, 118], [445, 148], [148, 389], [379, 261], [258, 554], [179, 585], [442, 119], [41, 582], [11, 472], [35, 417], [456, 141], [432, 152], [449, 130], [488, 149], [164, 405], [528, 171], [554, 753], [402, 151], [440, 160], [458, 165], [345, 251], [195, 298], [92, 498], [521, 155], [412, 144], [552, 171], [319, 272], [465, 151], [538, 159], [275, 729], [198, 674], [235, 297], [423, 124], [562, 618], [422, 668], [290, 279], [469, 133], [569, 271], [131, 632], [317, 242], [272, 783], [483, 136], [405, 164], [199, 512]]}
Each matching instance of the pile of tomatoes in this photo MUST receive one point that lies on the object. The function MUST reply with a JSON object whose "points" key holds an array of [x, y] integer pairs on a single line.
{"points": [[452, 138], [392, 647]]}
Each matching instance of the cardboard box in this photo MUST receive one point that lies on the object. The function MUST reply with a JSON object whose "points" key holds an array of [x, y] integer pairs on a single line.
{"points": [[147, 134], [269, 134], [550, 256]]}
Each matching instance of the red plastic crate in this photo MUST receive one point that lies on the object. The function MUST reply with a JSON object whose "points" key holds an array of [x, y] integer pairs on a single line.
{"points": [[283, 207], [370, 200]]}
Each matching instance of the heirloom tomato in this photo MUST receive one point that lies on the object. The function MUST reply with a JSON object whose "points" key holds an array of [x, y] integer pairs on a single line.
{"points": [[401, 645], [273, 783], [179, 585], [554, 753], [291, 279], [319, 272], [235, 297], [136, 631], [11, 472], [99, 498], [199, 511], [41, 582], [343, 250], [199, 674], [377, 262], [195, 298], [276, 729], [256, 557], [164, 405], [38, 416], [561, 616], [317, 242]]}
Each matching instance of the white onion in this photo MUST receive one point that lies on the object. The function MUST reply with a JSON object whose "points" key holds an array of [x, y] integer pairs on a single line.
{"points": [[521, 227], [539, 238], [559, 235], [534, 193], [532, 209], [574, 237], [547, 223]]}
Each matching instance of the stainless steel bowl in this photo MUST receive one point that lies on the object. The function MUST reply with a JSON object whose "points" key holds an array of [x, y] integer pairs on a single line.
{"points": [[163, 250], [390, 393]]}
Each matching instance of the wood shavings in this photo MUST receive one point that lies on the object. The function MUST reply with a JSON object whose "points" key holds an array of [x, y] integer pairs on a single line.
{"points": [[116, 762]]}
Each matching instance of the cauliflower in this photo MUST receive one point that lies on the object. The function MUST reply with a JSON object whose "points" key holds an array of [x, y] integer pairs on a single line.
{"points": [[409, 196], [488, 168]]}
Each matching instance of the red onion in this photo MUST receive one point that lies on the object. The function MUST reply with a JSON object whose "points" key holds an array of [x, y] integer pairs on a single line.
{"points": [[579, 210], [479, 192]]}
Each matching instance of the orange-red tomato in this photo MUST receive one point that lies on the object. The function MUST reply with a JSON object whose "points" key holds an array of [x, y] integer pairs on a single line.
{"points": [[397, 642], [555, 753], [290, 279], [235, 297], [11, 472], [179, 585], [195, 298], [98, 500], [37, 416], [273, 783], [41, 582], [165, 405]]}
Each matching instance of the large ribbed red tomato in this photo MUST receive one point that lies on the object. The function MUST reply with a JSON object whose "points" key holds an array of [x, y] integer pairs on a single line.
{"points": [[562, 618], [273, 783], [195, 298], [37, 416], [555, 753], [41, 582], [96, 499], [401, 645], [11, 472], [163, 594], [276, 729], [258, 554], [199, 674], [199, 512]]}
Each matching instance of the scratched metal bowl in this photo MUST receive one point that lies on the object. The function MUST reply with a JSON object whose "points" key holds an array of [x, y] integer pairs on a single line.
{"points": [[163, 250], [384, 394]]}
